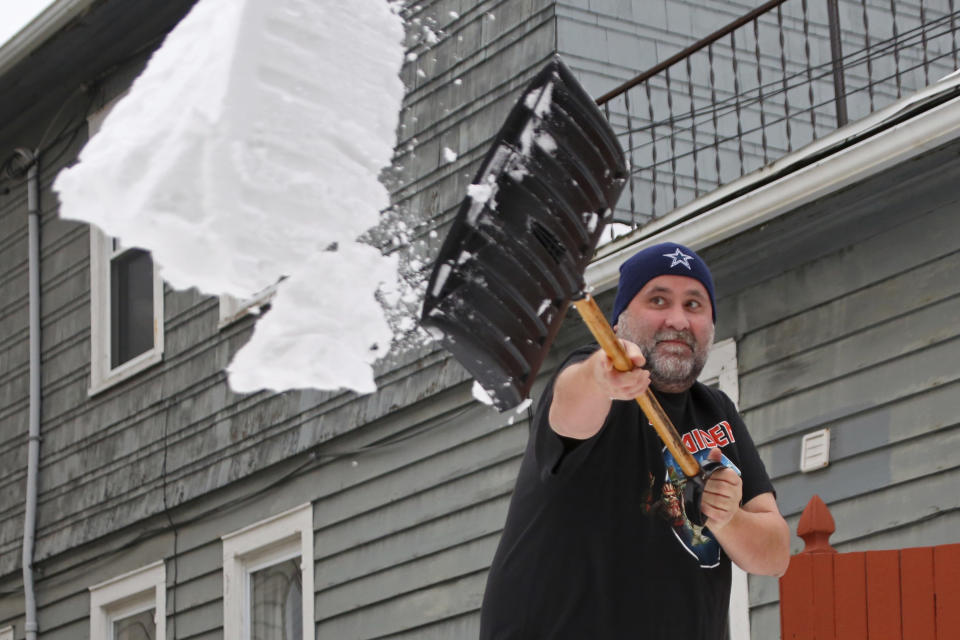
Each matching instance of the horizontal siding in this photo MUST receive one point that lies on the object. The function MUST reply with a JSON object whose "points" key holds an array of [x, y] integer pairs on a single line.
{"points": [[404, 532], [862, 340]]}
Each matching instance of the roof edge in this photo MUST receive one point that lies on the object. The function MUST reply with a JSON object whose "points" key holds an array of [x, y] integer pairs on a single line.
{"points": [[51, 20]]}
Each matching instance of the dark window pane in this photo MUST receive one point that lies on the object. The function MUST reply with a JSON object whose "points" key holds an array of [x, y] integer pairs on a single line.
{"points": [[135, 627], [276, 604], [131, 305]]}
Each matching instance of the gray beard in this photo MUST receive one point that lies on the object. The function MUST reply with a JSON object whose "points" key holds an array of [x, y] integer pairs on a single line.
{"points": [[668, 372]]}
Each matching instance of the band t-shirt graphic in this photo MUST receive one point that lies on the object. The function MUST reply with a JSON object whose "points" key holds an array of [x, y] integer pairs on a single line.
{"points": [[669, 504], [596, 544]]}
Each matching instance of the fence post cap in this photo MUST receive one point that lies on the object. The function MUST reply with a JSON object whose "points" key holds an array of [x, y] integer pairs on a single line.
{"points": [[815, 526]]}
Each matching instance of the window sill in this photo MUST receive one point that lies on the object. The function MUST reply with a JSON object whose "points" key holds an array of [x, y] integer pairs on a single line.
{"points": [[127, 370]]}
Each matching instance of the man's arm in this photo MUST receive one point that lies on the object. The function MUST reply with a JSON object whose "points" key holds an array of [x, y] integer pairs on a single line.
{"points": [[755, 536], [584, 391]]}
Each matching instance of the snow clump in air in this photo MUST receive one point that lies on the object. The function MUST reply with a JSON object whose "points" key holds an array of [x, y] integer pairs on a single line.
{"points": [[248, 151]]}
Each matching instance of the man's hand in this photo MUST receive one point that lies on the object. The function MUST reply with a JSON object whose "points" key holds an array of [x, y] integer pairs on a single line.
{"points": [[721, 495], [620, 385], [584, 392]]}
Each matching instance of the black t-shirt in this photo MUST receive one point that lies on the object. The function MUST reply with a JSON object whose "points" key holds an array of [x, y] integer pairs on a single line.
{"points": [[596, 545]]}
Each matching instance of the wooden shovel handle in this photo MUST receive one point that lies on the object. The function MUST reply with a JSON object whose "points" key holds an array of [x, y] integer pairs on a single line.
{"points": [[600, 328]]}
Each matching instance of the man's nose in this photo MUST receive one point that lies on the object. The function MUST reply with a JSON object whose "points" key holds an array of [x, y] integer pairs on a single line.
{"points": [[677, 318]]}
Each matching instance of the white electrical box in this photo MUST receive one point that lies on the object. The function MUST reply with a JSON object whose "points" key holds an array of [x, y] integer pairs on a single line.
{"points": [[815, 451]]}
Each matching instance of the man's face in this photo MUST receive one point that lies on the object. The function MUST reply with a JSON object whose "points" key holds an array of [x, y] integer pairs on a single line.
{"points": [[671, 320]]}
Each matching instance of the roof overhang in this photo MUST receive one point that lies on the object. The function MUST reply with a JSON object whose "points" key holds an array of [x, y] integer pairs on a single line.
{"points": [[54, 18]]}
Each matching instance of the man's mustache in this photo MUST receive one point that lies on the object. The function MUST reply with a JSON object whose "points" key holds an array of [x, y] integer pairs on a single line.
{"points": [[682, 336]]}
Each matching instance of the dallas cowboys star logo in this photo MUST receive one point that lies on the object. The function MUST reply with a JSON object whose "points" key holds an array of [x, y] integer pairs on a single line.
{"points": [[679, 257]]}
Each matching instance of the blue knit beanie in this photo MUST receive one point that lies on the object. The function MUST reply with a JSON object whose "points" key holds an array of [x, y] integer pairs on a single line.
{"points": [[666, 259]]}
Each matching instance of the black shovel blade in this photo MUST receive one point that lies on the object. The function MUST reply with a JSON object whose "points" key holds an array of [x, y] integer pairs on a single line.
{"points": [[517, 250]]}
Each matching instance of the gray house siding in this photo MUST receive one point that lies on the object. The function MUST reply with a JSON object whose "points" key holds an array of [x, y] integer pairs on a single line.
{"points": [[845, 318]]}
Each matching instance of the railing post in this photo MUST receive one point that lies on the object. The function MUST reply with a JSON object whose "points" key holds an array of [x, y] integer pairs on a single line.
{"points": [[836, 54], [806, 590]]}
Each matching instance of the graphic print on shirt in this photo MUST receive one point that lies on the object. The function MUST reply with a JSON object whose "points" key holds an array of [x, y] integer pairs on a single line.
{"points": [[698, 541]]}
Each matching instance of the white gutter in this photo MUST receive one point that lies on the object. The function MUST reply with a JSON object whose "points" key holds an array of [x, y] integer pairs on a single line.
{"points": [[849, 164], [51, 20]]}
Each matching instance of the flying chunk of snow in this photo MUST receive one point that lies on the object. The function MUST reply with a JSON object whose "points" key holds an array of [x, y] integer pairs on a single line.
{"points": [[480, 193], [480, 394], [539, 102], [253, 141], [449, 155]]}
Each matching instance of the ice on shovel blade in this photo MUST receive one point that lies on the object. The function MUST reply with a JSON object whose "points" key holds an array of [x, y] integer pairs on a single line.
{"points": [[518, 247]]}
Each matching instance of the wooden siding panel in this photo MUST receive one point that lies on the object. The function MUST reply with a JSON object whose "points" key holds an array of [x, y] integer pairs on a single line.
{"points": [[918, 602], [407, 577], [946, 562], [875, 470], [462, 626], [423, 490], [834, 276], [851, 590], [901, 507], [876, 428], [916, 288], [445, 533], [883, 595], [835, 360], [409, 611], [887, 382], [356, 549]]}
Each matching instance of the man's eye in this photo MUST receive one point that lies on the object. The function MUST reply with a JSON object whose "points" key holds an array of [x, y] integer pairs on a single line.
{"points": [[657, 301], [694, 304]]}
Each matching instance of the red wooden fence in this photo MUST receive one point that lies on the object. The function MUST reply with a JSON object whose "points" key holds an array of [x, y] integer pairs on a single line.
{"points": [[906, 594]]}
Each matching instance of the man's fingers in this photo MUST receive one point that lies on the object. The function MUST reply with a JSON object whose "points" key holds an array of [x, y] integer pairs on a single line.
{"points": [[634, 353]]}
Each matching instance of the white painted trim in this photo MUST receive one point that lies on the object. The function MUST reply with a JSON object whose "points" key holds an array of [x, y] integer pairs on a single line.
{"points": [[267, 542], [721, 369], [6, 633], [54, 18], [102, 376], [126, 595], [232, 309], [843, 167]]}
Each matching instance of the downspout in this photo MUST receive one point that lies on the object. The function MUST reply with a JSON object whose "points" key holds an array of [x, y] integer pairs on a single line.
{"points": [[33, 451]]}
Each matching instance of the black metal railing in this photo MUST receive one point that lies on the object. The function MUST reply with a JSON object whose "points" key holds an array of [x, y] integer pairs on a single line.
{"points": [[776, 79]]}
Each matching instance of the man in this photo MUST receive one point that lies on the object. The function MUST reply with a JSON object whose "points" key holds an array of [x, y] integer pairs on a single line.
{"points": [[597, 544]]}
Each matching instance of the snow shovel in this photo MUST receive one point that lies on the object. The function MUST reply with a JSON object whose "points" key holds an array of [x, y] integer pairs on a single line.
{"points": [[515, 255]]}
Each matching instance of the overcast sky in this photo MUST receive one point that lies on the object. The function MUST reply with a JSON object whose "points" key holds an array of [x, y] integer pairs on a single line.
{"points": [[16, 14]]}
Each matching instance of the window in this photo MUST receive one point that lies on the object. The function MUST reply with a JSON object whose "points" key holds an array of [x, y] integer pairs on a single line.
{"points": [[721, 373], [126, 302], [130, 607], [126, 317], [268, 578]]}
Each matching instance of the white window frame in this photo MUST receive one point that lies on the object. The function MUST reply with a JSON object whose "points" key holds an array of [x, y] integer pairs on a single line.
{"points": [[102, 375], [721, 370], [6, 633], [259, 545], [126, 595]]}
